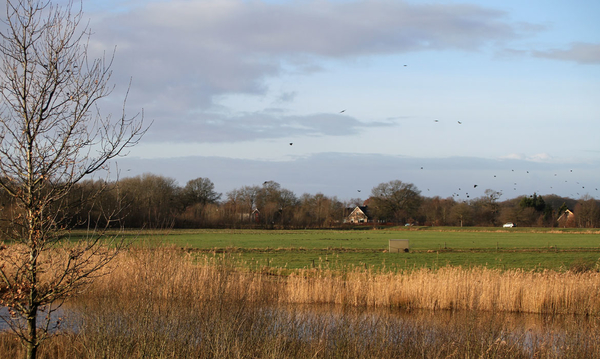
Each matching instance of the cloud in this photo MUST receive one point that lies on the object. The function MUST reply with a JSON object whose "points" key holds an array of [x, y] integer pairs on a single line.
{"points": [[184, 55], [269, 124], [287, 96], [538, 157], [580, 52]]}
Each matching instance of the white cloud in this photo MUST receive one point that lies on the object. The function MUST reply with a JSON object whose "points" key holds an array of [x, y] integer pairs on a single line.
{"points": [[538, 157], [513, 156]]}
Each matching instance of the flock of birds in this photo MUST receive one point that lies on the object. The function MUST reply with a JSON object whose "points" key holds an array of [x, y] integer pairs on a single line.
{"points": [[459, 193]]}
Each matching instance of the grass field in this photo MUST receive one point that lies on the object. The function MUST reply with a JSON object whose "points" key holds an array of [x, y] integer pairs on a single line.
{"points": [[525, 248]]}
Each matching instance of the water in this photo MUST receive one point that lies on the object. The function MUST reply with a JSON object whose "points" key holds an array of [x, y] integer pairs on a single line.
{"points": [[362, 326], [56, 318]]}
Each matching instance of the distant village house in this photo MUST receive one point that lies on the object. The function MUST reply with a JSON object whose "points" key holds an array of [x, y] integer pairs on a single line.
{"points": [[360, 214], [566, 219]]}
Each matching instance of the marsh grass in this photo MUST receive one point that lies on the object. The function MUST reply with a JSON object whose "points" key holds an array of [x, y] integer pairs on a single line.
{"points": [[451, 288], [167, 303]]}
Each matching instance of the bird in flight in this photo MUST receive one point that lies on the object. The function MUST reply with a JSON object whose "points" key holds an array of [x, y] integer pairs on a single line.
{"points": [[342, 111], [358, 190], [460, 123], [475, 186], [436, 120], [291, 143]]}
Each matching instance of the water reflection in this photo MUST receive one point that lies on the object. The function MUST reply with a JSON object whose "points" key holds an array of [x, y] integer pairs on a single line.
{"points": [[57, 316], [365, 329], [529, 331]]}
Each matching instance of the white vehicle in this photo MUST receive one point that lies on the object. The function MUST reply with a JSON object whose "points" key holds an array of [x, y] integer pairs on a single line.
{"points": [[508, 225]]}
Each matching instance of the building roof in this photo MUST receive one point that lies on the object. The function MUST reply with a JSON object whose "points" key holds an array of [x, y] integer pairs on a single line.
{"points": [[565, 215], [363, 209]]}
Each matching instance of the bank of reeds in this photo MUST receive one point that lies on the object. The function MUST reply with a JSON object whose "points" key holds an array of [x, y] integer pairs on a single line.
{"points": [[169, 271], [451, 288], [165, 303]]}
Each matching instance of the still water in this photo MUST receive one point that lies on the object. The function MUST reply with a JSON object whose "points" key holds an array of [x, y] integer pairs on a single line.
{"points": [[316, 322]]}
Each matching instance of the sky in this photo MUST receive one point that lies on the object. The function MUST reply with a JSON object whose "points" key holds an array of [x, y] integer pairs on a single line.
{"points": [[338, 96]]}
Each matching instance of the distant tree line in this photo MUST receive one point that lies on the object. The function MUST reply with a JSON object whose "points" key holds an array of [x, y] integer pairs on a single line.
{"points": [[154, 201]]}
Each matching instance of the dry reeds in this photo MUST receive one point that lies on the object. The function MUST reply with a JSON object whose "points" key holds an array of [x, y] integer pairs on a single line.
{"points": [[451, 288], [174, 274]]}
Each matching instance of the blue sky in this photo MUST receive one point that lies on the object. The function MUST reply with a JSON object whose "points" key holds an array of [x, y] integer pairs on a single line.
{"points": [[229, 84]]}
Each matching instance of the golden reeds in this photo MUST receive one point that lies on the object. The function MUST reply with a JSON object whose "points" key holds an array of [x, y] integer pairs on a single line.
{"points": [[174, 273], [452, 288]]}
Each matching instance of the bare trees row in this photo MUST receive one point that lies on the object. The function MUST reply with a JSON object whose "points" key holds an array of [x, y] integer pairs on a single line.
{"points": [[156, 201]]}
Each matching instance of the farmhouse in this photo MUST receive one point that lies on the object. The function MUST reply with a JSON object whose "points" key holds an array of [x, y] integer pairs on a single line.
{"points": [[253, 216], [566, 219], [360, 214]]}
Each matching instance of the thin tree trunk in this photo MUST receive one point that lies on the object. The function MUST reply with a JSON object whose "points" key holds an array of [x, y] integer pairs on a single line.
{"points": [[32, 343]]}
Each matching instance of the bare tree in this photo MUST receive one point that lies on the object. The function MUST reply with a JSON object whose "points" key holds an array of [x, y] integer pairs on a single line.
{"points": [[152, 200], [462, 213], [241, 202], [587, 212], [52, 136], [200, 190], [395, 200]]}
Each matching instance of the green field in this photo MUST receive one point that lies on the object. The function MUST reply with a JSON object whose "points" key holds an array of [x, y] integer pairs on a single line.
{"points": [[524, 248]]}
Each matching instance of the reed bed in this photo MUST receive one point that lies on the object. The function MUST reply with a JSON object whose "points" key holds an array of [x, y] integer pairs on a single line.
{"points": [[451, 288], [448, 288], [171, 273]]}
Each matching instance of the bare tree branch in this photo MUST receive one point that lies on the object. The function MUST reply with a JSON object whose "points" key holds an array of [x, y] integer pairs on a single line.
{"points": [[52, 135]]}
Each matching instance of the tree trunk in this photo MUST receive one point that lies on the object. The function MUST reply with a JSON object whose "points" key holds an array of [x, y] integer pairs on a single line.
{"points": [[32, 343]]}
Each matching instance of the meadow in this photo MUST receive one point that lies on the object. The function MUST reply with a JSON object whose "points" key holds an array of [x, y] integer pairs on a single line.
{"points": [[430, 247]]}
